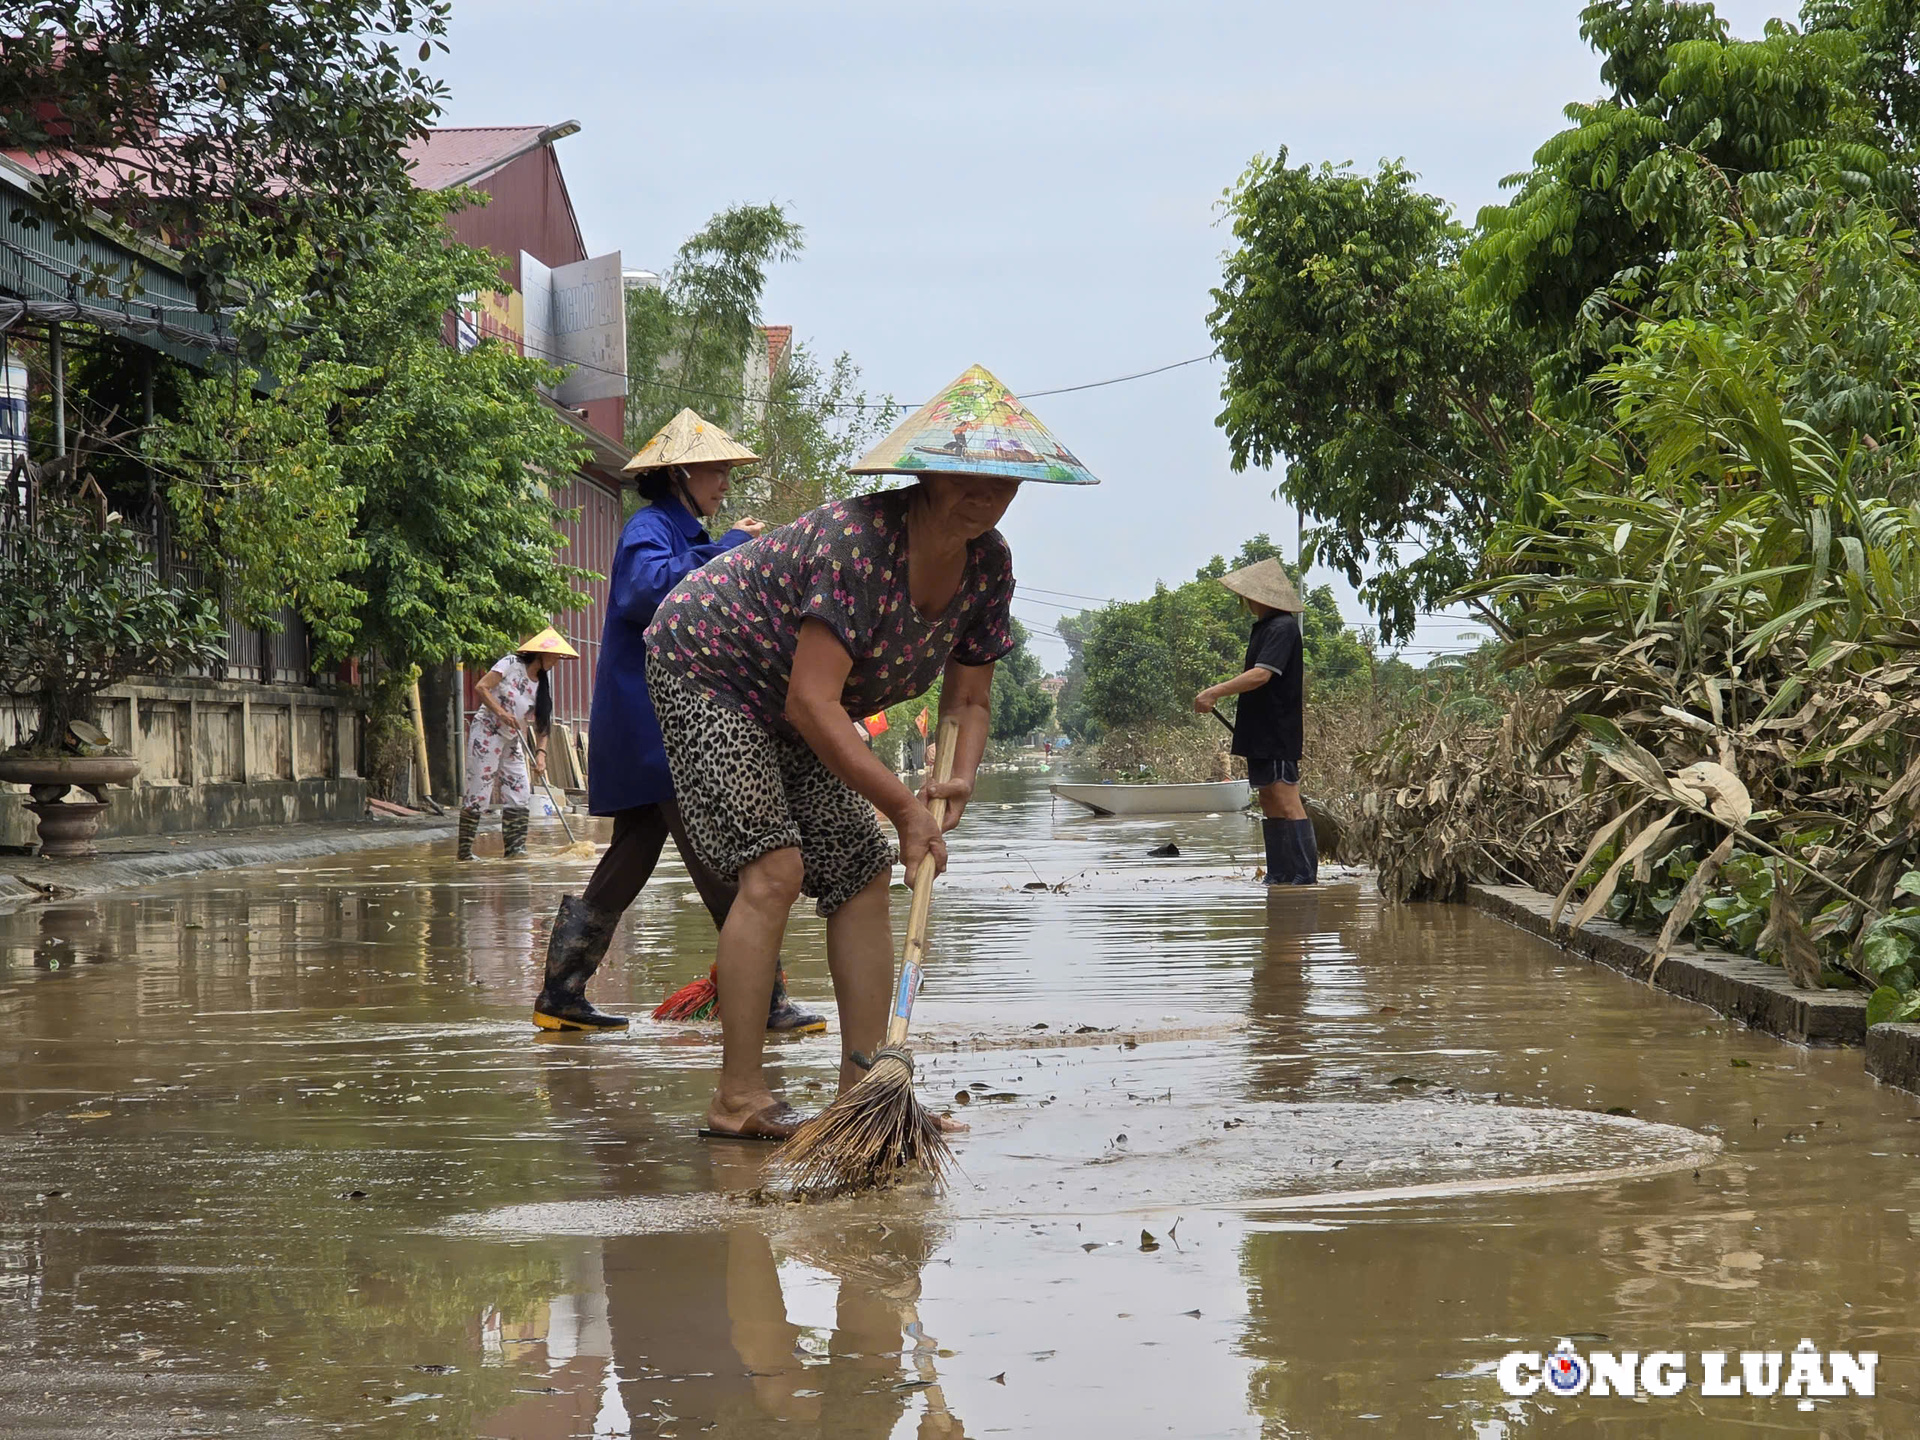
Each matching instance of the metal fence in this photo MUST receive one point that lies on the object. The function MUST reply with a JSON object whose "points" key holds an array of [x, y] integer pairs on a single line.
{"points": [[282, 657]]}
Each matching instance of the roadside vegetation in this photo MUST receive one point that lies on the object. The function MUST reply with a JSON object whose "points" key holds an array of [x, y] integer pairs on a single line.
{"points": [[1655, 419]]}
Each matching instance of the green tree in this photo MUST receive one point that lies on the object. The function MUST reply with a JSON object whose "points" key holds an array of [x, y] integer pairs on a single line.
{"points": [[193, 117], [1697, 129], [81, 608], [1354, 355], [1019, 705], [688, 340], [390, 487], [814, 423]]}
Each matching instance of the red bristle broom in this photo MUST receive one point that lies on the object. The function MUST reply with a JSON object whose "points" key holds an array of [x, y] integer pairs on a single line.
{"points": [[696, 1000]]}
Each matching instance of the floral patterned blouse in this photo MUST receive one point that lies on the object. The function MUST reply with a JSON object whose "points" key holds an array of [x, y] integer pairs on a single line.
{"points": [[730, 628], [516, 693]]}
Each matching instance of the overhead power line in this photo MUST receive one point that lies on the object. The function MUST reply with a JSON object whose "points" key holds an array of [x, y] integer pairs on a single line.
{"points": [[908, 406]]}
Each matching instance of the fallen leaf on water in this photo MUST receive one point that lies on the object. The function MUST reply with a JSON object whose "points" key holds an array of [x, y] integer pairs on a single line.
{"points": [[1147, 1242], [1090, 1245], [963, 1097], [913, 1385], [1191, 1314], [1000, 1379], [1741, 1064]]}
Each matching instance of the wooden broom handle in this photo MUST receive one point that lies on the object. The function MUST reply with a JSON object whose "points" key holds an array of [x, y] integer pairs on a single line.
{"points": [[914, 956]]}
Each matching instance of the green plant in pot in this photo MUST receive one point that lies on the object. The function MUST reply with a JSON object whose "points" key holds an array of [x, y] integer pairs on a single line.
{"points": [[83, 608]]}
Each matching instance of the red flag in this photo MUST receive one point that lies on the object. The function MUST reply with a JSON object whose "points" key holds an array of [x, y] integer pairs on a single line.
{"points": [[876, 724], [920, 723]]}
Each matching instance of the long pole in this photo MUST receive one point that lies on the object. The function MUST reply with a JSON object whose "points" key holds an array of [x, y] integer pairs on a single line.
{"points": [[425, 784], [57, 354]]}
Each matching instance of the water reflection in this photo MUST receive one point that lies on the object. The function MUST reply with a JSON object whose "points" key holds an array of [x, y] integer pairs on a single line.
{"points": [[774, 1322]]}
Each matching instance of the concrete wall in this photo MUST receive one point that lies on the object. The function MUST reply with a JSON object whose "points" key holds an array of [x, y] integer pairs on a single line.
{"points": [[219, 756]]}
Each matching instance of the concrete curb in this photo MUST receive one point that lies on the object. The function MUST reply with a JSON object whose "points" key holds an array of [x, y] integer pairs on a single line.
{"points": [[1750, 991], [107, 873], [1893, 1055]]}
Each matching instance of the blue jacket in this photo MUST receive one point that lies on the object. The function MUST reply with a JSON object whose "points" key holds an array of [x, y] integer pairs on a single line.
{"points": [[626, 763]]}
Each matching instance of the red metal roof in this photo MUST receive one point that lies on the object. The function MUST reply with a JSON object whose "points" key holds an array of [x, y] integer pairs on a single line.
{"points": [[444, 158]]}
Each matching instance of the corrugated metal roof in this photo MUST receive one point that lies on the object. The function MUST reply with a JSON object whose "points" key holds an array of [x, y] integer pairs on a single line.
{"points": [[460, 155]]}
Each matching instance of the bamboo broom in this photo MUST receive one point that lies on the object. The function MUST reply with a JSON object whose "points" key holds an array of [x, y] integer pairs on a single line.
{"points": [[874, 1133]]}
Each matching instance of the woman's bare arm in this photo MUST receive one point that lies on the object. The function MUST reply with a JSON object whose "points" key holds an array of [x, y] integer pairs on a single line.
{"points": [[820, 669], [1240, 684], [488, 683], [966, 695]]}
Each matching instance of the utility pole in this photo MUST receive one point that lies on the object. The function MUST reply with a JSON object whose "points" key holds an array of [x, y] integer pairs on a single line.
{"points": [[57, 355]]}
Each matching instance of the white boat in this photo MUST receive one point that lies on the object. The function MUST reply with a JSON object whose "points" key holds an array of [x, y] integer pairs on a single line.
{"points": [[1203, 798]]}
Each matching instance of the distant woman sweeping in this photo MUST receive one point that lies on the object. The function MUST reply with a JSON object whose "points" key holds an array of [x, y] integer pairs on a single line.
{"points": [[759, 662], [514, 716], [1269, 722], [684, 473]]}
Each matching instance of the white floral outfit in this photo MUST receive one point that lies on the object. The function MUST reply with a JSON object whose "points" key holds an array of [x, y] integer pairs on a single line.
{"points": [[493, 749]]}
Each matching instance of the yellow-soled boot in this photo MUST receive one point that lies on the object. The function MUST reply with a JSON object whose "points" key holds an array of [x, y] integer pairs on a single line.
{"points": [[581, 935]]}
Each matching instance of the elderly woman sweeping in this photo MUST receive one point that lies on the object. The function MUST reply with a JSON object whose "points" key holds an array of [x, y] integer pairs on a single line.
{"points": [[760, 660], [513, 717], [684, 473]]}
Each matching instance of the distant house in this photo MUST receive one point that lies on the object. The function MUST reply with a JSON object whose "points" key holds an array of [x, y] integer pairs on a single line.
{"points": [[766, 353], [261, 739], [553, 295]]}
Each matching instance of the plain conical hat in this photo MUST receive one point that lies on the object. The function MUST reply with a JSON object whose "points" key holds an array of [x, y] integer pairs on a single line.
{"points": [[976, 426], [686, 439], [547, 642], [1267, 583]]}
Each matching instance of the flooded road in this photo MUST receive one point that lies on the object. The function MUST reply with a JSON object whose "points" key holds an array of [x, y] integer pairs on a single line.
{"points": [[280, 1154]]}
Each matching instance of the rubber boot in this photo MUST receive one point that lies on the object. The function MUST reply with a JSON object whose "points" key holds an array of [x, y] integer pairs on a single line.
{"points": [[1287, 862], [784, 1017], [469, 827], [581, 935], [513, 832], [1308, 845]]}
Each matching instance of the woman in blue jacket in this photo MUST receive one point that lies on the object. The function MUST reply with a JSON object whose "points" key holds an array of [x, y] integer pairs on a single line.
{"points": [[684, 472]]}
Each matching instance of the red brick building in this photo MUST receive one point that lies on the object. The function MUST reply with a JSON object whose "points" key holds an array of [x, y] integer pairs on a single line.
{"points": [[530, 213]]}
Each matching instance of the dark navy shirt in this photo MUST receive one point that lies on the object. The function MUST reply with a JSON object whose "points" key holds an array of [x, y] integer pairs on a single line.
{"points": [[1270, 722]]}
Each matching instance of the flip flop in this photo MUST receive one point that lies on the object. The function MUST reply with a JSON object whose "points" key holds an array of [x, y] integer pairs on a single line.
{"points": [[775, 1122]]}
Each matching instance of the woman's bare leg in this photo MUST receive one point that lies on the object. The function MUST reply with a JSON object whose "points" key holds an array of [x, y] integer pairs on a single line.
{"points": [[860, 955], [749, 951]]}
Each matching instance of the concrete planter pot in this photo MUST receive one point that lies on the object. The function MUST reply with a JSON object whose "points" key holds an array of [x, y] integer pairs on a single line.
{"points": [[68, 827]]}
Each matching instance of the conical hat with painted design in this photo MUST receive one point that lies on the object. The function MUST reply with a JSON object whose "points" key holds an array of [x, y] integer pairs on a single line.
{"points": [[547, 642], [687, 439], [1266, 582], [976, 426]]}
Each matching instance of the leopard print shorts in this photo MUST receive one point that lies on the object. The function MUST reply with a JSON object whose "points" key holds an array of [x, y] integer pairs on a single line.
{"points": [[746, 792]]}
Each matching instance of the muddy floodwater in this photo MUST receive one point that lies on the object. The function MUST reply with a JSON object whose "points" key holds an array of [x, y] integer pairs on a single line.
{"points": [[281, 1155]]}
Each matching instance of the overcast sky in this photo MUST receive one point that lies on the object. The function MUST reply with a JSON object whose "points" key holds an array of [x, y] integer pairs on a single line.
{"points": [[1031, 186]]}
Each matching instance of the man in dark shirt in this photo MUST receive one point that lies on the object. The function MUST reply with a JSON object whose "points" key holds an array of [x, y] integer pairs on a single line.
{"points": [[1269, 723]]}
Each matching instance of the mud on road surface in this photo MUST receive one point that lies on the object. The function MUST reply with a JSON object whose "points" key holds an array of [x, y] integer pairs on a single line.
{"points": [[280, 1154]]}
